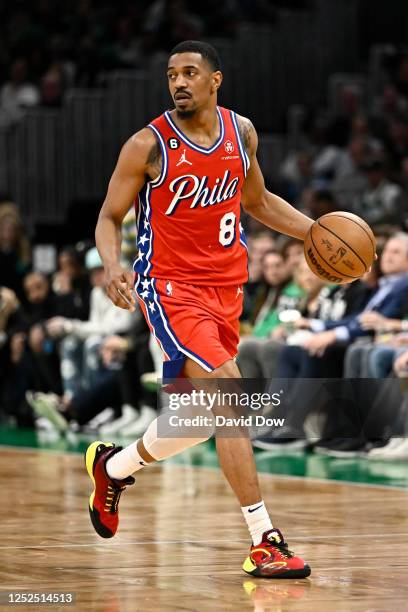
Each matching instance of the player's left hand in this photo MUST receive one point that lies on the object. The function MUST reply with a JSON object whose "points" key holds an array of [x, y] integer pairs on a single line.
{"points": [[318, 343], [119, 287]]}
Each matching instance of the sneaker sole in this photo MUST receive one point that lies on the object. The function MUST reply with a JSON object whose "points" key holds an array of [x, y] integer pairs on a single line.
{"points": [[257, 572], [90, 462]]}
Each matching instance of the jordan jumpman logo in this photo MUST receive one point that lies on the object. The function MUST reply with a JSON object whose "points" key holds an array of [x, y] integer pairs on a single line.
{"points": [[183, 159]]}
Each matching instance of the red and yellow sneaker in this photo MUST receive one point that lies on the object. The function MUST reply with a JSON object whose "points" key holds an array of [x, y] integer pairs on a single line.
{"points": [[272, 559], [104, 501]]}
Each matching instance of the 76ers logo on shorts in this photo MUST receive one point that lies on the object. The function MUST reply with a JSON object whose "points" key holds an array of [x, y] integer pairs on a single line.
{"points": [[228, 146]]}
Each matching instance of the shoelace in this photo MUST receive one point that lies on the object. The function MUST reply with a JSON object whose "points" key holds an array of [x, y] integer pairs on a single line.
{"points": [[283, 549], [112, 498]]}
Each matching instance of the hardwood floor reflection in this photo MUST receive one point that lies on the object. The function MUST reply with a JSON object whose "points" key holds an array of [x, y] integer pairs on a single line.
{"points": [[181, 541]]}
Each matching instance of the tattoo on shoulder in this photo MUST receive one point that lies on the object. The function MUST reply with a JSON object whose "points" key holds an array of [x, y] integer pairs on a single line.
{"points": [[154, 159], [245, 128]]}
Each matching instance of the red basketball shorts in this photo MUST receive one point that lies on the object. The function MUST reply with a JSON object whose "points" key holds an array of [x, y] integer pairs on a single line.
{"points": [[201, 323]]}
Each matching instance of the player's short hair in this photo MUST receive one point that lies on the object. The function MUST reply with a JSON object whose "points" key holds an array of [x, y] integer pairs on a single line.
{"points": [[207, 52]]}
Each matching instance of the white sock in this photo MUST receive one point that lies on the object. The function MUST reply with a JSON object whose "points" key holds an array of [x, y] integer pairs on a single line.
{"points": [[258, 521], [125, 462]]}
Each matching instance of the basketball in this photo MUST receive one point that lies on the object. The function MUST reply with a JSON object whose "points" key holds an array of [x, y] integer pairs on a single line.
{"points": [[339, 247]]}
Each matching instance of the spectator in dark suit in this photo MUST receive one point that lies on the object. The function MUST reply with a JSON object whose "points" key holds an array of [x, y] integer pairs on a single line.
{"points": [[335, 336], [38, 363], [322, 354]]}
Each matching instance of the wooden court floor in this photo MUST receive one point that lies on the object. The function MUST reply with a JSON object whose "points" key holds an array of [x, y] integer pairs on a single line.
{"points": [[182, 541]]}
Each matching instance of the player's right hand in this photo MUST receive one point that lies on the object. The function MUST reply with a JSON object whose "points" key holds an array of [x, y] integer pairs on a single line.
{"points": [[119, 287]]}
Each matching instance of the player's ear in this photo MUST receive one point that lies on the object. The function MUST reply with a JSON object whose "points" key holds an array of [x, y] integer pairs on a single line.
{"points": [[216, 81]]}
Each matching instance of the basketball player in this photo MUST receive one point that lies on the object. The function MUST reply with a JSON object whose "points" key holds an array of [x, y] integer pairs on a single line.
{"points": [[190, 169]]}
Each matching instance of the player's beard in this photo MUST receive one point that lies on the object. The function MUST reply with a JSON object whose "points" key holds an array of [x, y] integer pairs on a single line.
{"points": [[185, 113]]}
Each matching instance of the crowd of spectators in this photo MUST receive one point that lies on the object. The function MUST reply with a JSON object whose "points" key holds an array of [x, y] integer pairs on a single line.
{"points": [[68, 356], [71, 360], [65, 349], [353, 155], [48, 47]]}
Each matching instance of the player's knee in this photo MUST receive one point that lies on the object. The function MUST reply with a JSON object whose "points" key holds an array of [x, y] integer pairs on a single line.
{"points": [[195, 421]]}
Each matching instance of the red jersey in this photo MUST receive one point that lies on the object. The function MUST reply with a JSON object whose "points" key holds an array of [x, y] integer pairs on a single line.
{"points": [[189, 226]]}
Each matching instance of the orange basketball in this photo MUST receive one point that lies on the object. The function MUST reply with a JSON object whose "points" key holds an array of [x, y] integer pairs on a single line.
{"points": [[339, 247]]}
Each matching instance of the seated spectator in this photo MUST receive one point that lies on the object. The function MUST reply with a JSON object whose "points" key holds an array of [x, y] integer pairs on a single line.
{"points": [[15, 256], [375, 359], [292, 253], [296, 175], [395, 444], [35, 360], [258, 245], [127, 49], [397, 139], [328, 162], [389, 103], [321, 202], [361, 129], [350, 182], [10, 323], [383, 201], [257, 354], [321, 355], [170, 21], [276, 294], [81, 340], [17, 93], [116, 404], [52, 87], [71, 284], [389, 300]]}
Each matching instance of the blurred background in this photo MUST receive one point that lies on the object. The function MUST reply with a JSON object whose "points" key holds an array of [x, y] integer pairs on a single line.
{"points": [[320, 80], [326, 86]]}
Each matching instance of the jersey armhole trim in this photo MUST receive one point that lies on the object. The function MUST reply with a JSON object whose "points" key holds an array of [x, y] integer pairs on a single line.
{"points": [[159, 180], [244, 156]]}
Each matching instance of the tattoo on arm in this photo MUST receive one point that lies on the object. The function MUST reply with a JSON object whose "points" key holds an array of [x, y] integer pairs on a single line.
{"points": [[154, 159], [245, 128]]}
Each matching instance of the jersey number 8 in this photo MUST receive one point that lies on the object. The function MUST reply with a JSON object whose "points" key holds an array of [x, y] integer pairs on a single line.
{"points": [[227, 229]]}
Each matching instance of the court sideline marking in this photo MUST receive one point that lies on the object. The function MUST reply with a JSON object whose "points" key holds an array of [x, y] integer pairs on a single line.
{"points": [[29, 449]]}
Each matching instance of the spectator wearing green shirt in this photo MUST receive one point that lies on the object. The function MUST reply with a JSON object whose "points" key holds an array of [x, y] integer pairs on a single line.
{"points": [[258, 352]]}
